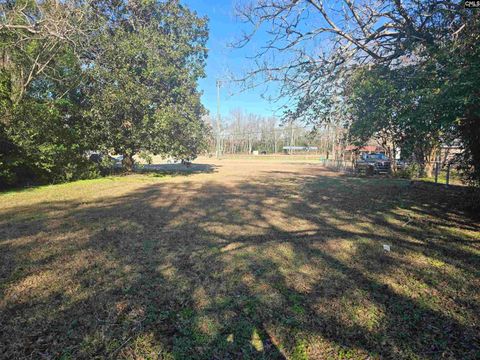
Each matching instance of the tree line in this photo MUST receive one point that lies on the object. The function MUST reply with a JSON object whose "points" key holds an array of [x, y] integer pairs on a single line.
{"points": [[242, 132], [403, 73], [105, 76]]}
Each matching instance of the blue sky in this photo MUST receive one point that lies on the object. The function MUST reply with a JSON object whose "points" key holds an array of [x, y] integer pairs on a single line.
{"points": [[222, 59]]}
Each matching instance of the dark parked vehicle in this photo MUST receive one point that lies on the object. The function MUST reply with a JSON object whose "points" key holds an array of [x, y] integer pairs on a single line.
{"points": [[186, 162], [371, 164], [98, 157]]}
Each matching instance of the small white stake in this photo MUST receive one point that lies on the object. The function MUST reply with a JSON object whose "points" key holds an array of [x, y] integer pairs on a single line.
{"points": [[386, 247]]}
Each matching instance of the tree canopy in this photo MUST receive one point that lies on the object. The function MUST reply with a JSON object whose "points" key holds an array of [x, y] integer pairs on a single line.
{"points": [[98, 75], [401, 67]]}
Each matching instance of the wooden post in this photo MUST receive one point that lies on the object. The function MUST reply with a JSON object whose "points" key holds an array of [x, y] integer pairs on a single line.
{"points": [[292, 139], [436, 172], [448, 176]]}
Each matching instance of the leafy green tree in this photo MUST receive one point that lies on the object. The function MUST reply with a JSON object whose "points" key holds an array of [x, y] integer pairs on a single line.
{"points": [[434, 43], [42, 134], [401, 107], [96, 75], [459, 60], [143, 92], [374, 106], [47, 131], [34, 34]]}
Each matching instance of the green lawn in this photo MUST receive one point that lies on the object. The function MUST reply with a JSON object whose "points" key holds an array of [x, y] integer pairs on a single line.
{"points": [[253, 260]]}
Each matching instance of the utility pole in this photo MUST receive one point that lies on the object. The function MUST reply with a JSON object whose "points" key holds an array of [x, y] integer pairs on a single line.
{"points": [[218, 83], [334, 140], [274, 139], [291, 137]]}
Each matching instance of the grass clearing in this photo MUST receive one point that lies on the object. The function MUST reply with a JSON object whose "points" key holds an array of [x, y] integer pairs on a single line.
{"points": [[240, 259]]}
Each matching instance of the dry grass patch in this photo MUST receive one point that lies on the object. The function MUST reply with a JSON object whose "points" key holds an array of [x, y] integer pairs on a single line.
{"points": [[248, 259]]}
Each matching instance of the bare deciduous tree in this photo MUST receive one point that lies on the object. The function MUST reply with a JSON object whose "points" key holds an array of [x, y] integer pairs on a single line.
{"points": [[312, 43]]}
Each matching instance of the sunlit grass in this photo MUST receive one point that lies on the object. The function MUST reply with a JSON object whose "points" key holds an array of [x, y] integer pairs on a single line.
{"points": [[249, 261]]}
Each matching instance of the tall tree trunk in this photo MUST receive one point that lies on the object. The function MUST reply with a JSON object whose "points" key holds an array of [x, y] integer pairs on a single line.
{"points": [[393, 163], [274, 141], [391, 158], [428, 169], [470, 133], [389, 148], [430, 161], [128, 162]]}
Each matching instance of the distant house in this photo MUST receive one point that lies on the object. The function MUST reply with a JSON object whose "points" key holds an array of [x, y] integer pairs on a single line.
{"points": [[288, 149], [449, 152]]}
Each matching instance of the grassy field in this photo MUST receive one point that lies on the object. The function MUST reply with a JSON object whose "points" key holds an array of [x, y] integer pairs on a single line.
{"points": [[239, 259]]}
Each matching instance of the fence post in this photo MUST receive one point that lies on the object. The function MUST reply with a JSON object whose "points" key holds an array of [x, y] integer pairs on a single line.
{"points": [[436, 172], [448, 176]]}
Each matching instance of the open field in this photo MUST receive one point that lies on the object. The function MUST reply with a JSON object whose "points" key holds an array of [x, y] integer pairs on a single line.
{"points": [[239, 259]]}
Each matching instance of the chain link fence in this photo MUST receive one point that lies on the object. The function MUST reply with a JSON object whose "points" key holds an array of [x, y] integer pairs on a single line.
{"points": [[438, 172], [443, 173], [339, 165]]}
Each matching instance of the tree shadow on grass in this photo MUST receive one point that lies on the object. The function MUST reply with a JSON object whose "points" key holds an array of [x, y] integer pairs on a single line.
{"points": [[270, 268], [176, 169]]}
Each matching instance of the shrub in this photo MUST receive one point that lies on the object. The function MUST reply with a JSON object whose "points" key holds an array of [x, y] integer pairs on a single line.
{"points": [[408, 172]]}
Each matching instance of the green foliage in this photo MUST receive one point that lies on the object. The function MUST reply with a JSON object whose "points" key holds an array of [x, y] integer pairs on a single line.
{"points": [[375, 103], [410, 69], [146, 156], [130, 86], [144, 95], [44, 133], [409, 172], [423, 104], [373, 97], [42, 145], [460, 61]]}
